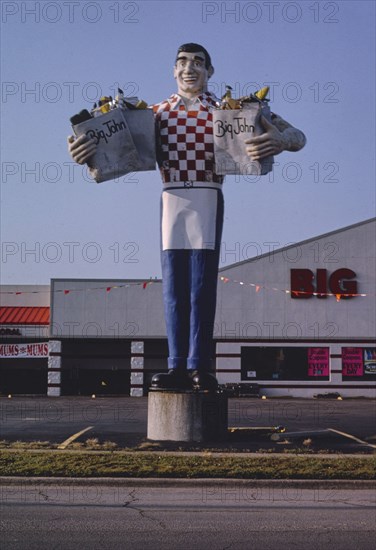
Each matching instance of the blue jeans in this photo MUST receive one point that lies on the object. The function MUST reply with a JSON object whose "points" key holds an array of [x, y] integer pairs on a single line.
{"points": [[190, 294]]}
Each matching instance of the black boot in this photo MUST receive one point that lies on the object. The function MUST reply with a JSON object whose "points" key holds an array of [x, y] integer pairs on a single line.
{"points": [[174, 379], [204, 381]]}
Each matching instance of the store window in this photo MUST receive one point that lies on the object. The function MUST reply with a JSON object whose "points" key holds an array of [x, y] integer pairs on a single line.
{"points": [[359, 364], [276, 363]]}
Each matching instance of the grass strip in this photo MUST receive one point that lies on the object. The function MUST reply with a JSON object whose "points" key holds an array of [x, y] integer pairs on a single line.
{"points": [[53, 464]]}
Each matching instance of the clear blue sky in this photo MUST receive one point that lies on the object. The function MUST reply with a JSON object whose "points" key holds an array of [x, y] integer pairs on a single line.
{"points": [[58, 57]]}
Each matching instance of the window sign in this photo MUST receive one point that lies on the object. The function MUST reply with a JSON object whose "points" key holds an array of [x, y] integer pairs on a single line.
{"points": [[370, 361], [352, 362], [251, 374], [358, 363], [29, 351], [318, 362]]}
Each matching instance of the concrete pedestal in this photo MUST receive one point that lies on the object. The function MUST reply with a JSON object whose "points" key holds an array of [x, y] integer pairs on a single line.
{"points": [[186, 416]]}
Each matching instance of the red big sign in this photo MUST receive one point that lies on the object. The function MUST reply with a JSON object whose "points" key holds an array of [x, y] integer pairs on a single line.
{"points": [[304, 283]]}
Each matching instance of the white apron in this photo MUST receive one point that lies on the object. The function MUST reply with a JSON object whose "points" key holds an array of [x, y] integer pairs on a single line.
{"points": [[189, 218]]}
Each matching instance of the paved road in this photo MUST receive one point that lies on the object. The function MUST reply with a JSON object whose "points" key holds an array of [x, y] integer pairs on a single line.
{"points": [[123, 420], [236, 517]]}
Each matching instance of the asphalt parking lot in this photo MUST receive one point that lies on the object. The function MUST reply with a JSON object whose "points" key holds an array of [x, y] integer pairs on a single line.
{"points": [[319, 425]]}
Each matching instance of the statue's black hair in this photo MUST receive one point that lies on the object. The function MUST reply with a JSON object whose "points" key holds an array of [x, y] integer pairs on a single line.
{"points": [[191, 47]]}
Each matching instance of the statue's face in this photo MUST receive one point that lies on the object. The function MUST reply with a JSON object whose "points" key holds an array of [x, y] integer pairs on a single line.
{"points": [[191, 74]]}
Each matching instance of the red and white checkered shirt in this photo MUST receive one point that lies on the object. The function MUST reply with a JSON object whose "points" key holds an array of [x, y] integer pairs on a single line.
{"points": [[186, 150]]}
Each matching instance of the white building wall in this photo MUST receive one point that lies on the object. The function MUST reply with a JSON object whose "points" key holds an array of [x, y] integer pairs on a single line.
{"points": [[271, 313], [25, 295], [129, 309]]}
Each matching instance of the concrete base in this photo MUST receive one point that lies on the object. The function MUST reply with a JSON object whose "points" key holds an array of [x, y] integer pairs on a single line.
{"points": [[186, 416]]}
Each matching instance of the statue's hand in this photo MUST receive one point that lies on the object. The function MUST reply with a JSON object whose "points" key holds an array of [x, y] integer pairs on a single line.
{"points": [[81, 148], [271, 142]]}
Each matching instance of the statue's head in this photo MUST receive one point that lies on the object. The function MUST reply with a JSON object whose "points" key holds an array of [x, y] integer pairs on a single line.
{"points": [[191, 47], [192, 69]]}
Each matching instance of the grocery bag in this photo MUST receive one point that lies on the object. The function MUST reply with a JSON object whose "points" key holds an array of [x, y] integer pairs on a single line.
{"points": [[141, 125], [117, 153], [231, 127]]}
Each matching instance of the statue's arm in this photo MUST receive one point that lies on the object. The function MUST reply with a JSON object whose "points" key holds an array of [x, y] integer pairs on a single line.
{"points": [[294, 139]]}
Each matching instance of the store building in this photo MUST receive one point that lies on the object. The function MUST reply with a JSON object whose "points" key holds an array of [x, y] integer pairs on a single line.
{"points": [[298, 321], [24, 339], [301, 320]]}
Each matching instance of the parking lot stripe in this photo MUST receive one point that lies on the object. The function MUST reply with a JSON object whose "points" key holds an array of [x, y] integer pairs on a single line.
{"points": [[65, 443], [353, 438]]}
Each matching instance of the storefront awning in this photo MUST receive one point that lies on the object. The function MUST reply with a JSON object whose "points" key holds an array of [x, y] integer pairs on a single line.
{"points": [[24, 315]]}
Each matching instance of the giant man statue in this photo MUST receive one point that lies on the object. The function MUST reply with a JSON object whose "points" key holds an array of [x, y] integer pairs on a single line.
{"points": [[192, 213]]}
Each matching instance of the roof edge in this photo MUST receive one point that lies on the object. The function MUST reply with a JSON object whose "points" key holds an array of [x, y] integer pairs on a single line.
{"points": [[301, 243]]}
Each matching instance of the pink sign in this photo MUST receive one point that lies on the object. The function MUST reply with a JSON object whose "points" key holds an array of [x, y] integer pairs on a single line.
{"points": [[318, 361], [352, 362]]}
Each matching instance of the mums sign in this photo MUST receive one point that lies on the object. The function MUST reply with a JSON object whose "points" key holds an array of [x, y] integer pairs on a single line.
{"points": [[306, 283]]}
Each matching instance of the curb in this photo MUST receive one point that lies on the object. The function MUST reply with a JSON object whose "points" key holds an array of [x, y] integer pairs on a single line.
{"points": [[205, 454], [197, 482]]}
